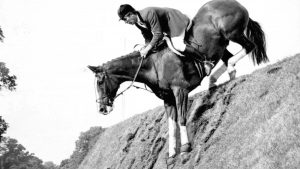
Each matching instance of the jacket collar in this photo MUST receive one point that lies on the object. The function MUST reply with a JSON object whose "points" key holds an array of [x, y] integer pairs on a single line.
{"points": [[140, 21]]}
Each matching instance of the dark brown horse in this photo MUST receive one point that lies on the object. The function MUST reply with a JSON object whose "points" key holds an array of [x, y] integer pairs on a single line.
{"points": [[172, 77], [220, 21]]}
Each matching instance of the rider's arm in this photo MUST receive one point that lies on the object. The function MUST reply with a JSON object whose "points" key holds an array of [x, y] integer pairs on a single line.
{"points": [[155, 28]]}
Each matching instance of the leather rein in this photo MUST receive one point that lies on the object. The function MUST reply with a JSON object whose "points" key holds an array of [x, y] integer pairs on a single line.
{"points": [[131, 85]]}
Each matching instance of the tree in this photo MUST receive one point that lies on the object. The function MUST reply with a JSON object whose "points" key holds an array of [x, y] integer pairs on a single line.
{"points": [[14, 156], [6, 80], [3, 127], [1, 35], [50, 165], [85, 143]]}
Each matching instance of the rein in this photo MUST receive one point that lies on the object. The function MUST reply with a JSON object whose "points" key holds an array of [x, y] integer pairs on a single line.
{"points": [[131, 85]]}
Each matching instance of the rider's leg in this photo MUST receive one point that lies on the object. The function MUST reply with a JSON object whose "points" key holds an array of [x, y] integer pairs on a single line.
{"points": [[188, 50]]}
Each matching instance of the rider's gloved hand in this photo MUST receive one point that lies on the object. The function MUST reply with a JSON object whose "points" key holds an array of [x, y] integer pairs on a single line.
{"points": [[144, 51]]}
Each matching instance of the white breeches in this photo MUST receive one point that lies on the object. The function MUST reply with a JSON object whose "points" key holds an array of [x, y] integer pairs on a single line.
{"points": [[178, 41]]}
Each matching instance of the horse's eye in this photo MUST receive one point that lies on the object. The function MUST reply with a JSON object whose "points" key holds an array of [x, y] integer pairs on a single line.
{"points": [[100, 82], [100, 77]]}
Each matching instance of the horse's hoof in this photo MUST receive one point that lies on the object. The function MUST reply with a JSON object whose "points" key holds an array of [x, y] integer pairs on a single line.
{"points": [[184, 157], [212, 82], [171, 162], [232, 74], [186, 148]]}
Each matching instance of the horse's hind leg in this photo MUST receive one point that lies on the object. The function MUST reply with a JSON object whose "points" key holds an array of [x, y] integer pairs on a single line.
{"points": [[247, 45], [219, 69]]}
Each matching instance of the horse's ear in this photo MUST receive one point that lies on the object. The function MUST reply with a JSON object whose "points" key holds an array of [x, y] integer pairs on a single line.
{"points": [[95, 69]]}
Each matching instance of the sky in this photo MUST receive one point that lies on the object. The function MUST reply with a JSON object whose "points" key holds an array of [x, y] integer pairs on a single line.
{"points": [[49, 44]]}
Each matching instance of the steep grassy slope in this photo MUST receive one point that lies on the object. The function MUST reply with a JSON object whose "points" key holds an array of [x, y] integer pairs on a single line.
{"points": [[252, 122]]}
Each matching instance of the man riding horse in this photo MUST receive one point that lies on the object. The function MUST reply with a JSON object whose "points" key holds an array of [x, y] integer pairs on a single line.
{"points": [[154, 22], [170, 77]]}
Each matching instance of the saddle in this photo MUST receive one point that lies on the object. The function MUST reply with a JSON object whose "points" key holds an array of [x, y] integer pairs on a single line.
{"points": [[166, 42], [199, 64]]}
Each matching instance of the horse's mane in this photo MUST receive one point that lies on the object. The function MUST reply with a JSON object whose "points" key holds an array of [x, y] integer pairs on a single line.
{"points": [[128, 59], [130, 56]]}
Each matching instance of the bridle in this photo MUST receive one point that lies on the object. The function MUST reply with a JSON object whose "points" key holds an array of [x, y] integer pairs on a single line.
{"points": [[107, 99]]}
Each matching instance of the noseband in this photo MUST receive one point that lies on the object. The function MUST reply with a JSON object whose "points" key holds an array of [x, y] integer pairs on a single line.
{"points": [[107, 99]]}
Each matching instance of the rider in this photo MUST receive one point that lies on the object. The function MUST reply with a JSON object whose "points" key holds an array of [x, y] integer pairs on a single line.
{"points": [[154, 22]]}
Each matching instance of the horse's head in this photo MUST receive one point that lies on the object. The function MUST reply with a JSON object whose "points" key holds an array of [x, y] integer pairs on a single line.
{"points": [[106, 89]]}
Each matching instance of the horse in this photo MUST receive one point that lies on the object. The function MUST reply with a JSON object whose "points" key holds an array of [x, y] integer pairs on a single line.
{"points": [[219, 21], [171, 77]]}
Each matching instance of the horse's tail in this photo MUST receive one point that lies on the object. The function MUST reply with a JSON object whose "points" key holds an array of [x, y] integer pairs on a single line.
{"points": [[1, 35], [257, 36]]}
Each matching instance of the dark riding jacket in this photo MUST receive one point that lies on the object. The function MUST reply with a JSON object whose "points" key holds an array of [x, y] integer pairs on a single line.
{"points": [[161, 20]]}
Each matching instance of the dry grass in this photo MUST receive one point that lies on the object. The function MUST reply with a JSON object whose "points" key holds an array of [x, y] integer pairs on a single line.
{"points": [[252, 122]]}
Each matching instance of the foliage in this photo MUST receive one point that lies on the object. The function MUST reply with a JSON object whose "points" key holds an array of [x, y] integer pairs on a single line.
{"points": [[85, 143], [6, 81], [14, 156], [1, 35], [50, 165], [3, 127], [9, 82]]}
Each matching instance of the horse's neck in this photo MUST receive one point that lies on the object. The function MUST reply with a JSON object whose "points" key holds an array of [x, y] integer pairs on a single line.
{"points": [[124, 68]]}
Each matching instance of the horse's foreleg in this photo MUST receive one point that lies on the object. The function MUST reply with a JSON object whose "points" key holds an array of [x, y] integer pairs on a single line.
{"points": [[172, 136], [181, 97], [172, 118]]}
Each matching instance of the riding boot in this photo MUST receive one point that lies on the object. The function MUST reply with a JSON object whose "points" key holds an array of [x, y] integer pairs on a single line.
{"points": [[198, 56]]}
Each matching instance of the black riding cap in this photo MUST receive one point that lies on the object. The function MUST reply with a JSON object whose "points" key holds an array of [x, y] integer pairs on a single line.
{"points": [[124, 9]]}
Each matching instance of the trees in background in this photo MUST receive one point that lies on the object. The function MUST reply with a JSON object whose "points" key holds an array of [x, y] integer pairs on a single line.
{"points": [[50, 165], [1, 35], [84, 144], [3, 127], [14, 156], [9, 82], [6, 80]]}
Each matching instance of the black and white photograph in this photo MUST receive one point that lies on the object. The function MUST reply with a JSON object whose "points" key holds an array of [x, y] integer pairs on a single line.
{"points": [[160, 84]]}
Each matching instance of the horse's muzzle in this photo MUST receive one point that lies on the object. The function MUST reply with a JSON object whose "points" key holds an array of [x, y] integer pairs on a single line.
{"points": [[105, 110]]}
